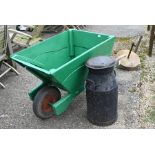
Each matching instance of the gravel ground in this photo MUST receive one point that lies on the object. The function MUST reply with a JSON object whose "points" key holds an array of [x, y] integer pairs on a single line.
{"points": [[147, 90], [118, 30], [16, 107]]}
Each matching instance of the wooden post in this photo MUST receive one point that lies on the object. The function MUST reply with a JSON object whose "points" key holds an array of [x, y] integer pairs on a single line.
{"points": [[9, 52], [152, 37], [37, 30]]}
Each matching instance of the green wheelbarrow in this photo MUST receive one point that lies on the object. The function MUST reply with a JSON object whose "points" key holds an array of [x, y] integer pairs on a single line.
{"points": [[59, 62]]}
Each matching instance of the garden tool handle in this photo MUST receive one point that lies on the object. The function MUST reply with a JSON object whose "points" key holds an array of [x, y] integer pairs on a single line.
{"points": [[120, 57], [133, 44], [137, 45]]}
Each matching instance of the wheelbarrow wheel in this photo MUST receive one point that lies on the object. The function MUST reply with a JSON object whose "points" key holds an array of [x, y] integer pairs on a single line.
{"points": [[46, 95]]}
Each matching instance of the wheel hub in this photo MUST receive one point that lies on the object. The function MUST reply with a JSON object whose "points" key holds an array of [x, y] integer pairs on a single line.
{"points": [[45, 104]]}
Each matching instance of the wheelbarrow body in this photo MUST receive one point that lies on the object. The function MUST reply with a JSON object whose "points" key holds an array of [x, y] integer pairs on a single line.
{"points": [[60, 61]]}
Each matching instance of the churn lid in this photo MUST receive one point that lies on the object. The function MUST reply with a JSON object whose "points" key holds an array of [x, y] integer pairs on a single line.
{"points": [[101, 62]]}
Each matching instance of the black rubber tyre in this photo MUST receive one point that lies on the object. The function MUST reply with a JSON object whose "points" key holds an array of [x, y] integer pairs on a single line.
{"points": [[46, 95]]}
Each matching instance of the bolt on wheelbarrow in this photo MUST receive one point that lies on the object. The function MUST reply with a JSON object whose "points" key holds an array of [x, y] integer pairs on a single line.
{"points": [[59, 62]]}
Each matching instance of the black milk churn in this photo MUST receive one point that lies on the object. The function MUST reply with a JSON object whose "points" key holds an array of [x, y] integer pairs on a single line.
{"points": [[101, 91]]}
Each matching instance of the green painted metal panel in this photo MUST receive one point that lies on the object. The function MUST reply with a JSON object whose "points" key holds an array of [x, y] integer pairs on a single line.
{"points": [[60, 60]]}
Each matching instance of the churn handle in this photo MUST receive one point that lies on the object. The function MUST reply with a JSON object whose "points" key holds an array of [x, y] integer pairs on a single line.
{"points": [[91, 81]]}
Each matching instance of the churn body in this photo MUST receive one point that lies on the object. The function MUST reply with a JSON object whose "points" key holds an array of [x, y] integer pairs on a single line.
{"points": [[101, 91]]}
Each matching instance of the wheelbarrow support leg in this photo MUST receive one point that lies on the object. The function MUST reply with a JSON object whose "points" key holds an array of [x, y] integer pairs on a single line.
{"points": [[60, 106]]}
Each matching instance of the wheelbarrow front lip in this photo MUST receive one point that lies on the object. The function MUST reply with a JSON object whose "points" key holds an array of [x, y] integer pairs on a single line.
{"points": [[26, 64]]}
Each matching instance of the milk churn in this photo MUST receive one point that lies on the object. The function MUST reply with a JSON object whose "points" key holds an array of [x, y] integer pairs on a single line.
{"points": [[101, 91]]}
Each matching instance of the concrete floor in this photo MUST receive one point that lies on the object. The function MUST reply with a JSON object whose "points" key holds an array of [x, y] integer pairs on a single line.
{"points": [[16, 107]]}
